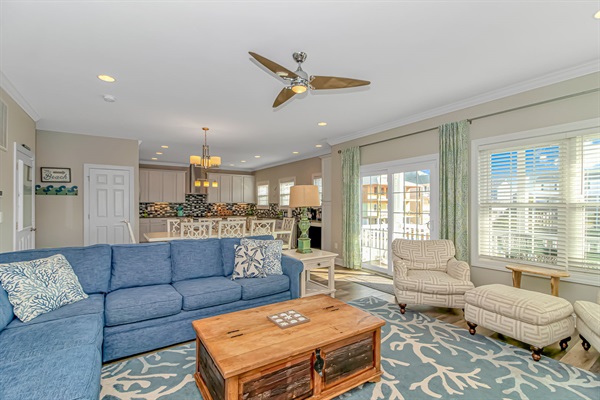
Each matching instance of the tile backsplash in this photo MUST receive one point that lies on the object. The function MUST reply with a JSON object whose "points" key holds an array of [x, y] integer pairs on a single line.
{"points": [[196, 206]]}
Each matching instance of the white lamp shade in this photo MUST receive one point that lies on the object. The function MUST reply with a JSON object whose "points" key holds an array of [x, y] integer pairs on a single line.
{"points": [[304, 196]]}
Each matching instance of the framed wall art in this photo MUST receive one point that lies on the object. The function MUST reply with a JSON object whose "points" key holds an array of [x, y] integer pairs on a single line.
{"points": [[53, 174]]}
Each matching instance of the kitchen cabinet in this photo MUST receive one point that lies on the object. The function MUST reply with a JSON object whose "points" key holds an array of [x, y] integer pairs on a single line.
{"points": [[232, 188], [158, 185]]}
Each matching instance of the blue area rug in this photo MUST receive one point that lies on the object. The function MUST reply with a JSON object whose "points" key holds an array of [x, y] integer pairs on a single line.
{"points": [[421, 358]]}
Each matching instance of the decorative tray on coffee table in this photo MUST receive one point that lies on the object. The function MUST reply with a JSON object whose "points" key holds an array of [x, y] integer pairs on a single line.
{"points": [[287, 319]]}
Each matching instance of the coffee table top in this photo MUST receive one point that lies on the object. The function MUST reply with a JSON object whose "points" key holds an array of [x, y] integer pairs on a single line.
{"points": [[245, 340]]}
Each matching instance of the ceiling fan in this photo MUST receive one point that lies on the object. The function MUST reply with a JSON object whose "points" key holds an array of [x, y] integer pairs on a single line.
{"points": [[299, 81]]}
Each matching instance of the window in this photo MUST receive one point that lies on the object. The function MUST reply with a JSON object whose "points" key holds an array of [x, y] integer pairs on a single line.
{"points": [[539, 200], [284, 191], [398, 201], [262, 194], [318, 182]]}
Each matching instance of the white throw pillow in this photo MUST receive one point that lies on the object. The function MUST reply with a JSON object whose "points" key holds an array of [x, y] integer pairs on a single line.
{"points": [[248, 262], [39, 286]]}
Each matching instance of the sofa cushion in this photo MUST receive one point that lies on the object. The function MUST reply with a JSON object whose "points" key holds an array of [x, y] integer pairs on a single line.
{"points": [[6, 309], [207, 292], [141, 264], [94, 304], [254, 288], [39, 286], [129, 305], [91, 264], [196, 259], [228, 251], [42, 339], [64, 374]]}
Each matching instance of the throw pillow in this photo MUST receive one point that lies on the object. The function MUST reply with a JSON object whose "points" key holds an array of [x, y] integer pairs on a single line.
{"points": [[272, 250], [39, 286], [248, 262]]}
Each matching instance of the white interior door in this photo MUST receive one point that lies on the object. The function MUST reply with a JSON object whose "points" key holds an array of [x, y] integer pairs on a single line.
{"points": [[24, 204], [108, 204]]}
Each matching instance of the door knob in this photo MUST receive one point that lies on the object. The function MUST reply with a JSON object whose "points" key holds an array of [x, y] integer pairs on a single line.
{"points": [[33, 229]]}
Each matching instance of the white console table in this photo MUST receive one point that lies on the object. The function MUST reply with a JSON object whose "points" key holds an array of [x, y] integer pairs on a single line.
{"points": [[315, 260]]}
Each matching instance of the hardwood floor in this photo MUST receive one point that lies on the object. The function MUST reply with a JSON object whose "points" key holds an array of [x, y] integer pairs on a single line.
{"points": [[347, 290]]}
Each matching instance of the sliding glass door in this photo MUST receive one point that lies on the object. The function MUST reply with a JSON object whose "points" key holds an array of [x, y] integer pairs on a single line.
{"points": [[399, 201]]}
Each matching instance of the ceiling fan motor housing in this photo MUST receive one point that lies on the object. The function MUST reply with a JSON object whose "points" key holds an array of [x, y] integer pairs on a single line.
{"points": [[299, 57]]}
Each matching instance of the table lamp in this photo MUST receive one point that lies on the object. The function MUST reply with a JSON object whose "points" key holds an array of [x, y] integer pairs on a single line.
{"points": [[303, 196]]}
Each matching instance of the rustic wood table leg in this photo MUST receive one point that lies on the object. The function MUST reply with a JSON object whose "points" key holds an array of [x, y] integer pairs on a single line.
{"points": [[516, 277], [554, 281]]}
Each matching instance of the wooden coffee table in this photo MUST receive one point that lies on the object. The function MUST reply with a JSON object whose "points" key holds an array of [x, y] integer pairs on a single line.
{"points": [[243, 355]]}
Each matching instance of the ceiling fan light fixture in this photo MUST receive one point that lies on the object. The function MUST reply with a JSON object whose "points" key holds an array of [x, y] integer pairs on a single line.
{"points": [[299, 87]]}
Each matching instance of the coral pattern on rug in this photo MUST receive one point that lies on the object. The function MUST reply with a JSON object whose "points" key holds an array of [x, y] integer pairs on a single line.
{"points": [[421, 358]]}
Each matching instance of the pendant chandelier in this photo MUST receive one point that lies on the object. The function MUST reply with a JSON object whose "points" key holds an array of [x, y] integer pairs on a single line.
{"points": [[205, 161]]}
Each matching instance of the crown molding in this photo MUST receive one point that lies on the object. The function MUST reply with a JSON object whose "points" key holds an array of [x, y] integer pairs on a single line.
{"points": [[315, 154], [544, 80], [12, 91]]}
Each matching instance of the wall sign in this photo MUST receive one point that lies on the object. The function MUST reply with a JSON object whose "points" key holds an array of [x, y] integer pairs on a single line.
{"points": [[49, 174]]}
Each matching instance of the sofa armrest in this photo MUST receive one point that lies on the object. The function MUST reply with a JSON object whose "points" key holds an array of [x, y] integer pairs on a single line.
{"points": [[400, 269], [459, 270], [292, 268]]}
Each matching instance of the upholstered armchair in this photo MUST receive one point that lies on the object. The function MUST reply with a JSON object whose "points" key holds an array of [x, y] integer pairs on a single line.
{"points": [[588, 322], [426, 272]]}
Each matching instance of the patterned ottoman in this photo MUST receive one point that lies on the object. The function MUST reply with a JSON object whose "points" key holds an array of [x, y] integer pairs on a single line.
{"points": [[531, 317]]}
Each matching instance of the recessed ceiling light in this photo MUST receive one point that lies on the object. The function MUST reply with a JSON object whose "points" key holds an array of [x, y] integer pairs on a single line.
{"points": [[322, 124], [154, 158], [597, 15], [106, 78], [164, 146], [159, 153], [295, 152], [256, 156], [232, 165], [318, 145], [243, 161]]}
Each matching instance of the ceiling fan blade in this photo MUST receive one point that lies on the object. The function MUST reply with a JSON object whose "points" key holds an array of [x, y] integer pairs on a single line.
{"points": [[283, 96], [274, 67], [334, 82]]}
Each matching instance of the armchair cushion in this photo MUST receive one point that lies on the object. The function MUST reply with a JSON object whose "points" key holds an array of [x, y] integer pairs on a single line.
{"points": [[434, 282], [424, 254]]}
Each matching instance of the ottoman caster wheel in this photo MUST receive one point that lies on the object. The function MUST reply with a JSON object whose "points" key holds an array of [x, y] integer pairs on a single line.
{"points": [[586, 345], [536, 353], [402, 308], [472, 327], [564, 343]]}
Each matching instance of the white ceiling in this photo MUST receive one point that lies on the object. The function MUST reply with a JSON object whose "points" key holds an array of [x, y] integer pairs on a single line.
{"points": [[184, 65]]}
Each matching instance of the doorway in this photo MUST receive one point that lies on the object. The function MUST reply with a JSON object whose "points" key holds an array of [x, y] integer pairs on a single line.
{"points": [[24, 200], [108, 204]]}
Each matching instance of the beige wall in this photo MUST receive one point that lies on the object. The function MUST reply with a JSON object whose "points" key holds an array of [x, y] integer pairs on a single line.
{"points": [[559, 112], [302, 170], [20, 129], [60, 218]]}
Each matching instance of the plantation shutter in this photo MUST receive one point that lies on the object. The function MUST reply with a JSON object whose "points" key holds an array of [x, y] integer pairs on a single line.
{"points": [[539, 202]]}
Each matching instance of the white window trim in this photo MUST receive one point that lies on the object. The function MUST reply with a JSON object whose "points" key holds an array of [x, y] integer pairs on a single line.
{"points": [[524, 137], [267, 184], [284, 180], [391, 167], [312, 180]]}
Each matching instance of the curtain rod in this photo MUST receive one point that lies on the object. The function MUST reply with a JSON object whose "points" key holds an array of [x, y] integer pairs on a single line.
{"points": [[539, 103]]}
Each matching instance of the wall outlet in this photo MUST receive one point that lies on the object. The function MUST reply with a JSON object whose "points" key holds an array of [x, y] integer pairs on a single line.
{"points": [[335, 246]]}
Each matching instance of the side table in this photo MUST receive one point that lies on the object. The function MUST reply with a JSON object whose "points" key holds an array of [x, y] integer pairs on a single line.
{"points": [[517, 272], [315, 260]]}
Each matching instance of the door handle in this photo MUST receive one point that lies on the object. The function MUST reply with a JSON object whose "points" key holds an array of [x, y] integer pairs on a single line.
{"points": [[33, 229]]}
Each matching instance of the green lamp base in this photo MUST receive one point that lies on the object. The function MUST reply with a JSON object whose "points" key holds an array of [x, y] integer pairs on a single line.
{"points": [[303, 246]]}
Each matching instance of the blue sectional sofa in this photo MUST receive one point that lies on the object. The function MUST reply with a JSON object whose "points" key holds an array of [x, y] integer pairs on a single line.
{"points": [[141, 297]]}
